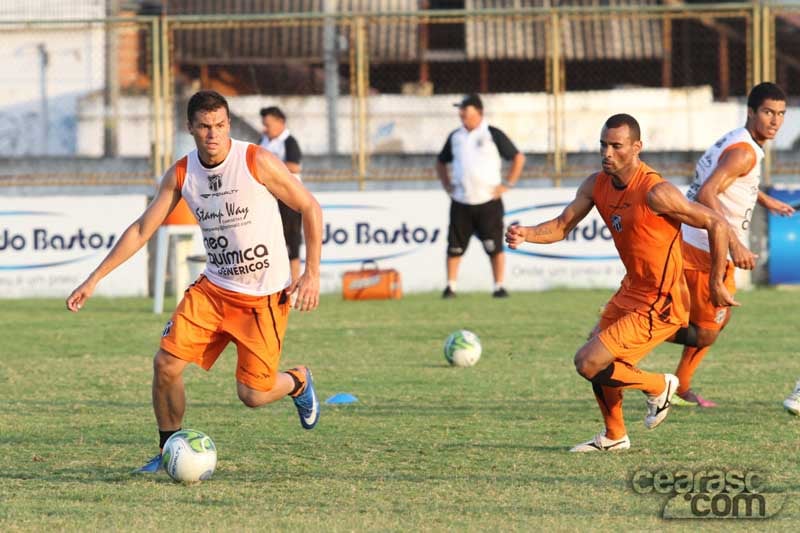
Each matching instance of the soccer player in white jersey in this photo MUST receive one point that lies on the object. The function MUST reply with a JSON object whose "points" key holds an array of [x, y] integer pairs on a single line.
{"points": [[726, 180], [233, 188]]}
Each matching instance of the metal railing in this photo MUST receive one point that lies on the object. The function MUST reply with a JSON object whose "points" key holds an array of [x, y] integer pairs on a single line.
{"points": [[369, 95]]}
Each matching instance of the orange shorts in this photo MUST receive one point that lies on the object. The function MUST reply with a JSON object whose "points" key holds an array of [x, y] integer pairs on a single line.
{"points": [[629, 334], [696, 270], [209, 317]]}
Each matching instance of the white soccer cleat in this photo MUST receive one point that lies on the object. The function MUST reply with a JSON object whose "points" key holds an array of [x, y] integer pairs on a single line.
{"points": [[601, 444], [792, 402], [658, 406]]}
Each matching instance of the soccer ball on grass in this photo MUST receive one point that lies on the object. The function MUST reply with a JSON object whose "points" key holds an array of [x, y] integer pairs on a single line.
{"points": [[462, 348], [189, 456]]}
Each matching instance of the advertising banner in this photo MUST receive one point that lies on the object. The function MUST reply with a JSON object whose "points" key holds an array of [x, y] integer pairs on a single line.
{"points": [[49, 244], [784, 239], [407, 230]]}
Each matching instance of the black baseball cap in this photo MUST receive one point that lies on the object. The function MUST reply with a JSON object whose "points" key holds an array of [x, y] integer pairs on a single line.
{"points": [[470, 99]]}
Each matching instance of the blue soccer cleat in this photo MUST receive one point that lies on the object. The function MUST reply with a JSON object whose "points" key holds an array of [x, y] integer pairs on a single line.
{"points": [[307, 403], [150, 467]]}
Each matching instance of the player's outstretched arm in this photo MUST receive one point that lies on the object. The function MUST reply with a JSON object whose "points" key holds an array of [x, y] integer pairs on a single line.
{"points": [[131, 240], [775, 206], [556, 229], [277, 179], [665, 199]]}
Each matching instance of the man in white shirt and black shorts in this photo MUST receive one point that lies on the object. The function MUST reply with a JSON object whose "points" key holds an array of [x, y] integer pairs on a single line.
{"points": [[476, 187], [281, 143]]}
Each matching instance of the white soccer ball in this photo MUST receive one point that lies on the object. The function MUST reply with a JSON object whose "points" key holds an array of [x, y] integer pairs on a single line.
{"points": [[462, 348], [189, 456]]}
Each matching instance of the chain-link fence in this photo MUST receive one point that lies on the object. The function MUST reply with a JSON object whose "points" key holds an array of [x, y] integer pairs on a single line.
{"points": [[783, 64], [550, 77], [78, 101], [368, 87], [306, 67], [680, 74]]}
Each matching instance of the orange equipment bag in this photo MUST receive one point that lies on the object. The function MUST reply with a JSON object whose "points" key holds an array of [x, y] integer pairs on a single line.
{"points": [[371, 283]]}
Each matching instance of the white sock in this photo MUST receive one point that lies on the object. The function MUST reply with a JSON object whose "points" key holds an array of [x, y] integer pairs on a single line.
{"points": [[452, 285], [498, 286]]}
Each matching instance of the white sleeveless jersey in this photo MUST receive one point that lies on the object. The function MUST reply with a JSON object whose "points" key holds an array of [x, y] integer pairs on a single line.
{"points": [[240, 221], [737, 200]]}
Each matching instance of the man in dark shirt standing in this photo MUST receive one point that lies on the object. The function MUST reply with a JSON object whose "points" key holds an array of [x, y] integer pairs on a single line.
{"points": [[278, 140], [476, 188]]}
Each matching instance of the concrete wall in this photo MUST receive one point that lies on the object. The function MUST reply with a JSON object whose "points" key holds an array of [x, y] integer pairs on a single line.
{"points": [[672, 120]]}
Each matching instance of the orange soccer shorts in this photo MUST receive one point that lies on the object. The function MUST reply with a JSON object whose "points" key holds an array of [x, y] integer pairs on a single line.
{"points": [[697, 271], [630, 334], [209, 317]]}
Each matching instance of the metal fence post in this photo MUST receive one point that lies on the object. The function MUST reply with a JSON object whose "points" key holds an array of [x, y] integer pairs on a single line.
{"points": [[362, 82], [156, 109], [755, 49], [168, 105], [331, 59], [767, 46], [558, 88]]}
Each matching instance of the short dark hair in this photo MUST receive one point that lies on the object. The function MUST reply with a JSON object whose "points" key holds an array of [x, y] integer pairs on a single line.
{"points": [[764, 91], [623, 119], [273, 111], [206, 101]]}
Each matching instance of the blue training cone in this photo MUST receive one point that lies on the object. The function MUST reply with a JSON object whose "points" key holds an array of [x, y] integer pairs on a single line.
{"points": [[341, 399]]}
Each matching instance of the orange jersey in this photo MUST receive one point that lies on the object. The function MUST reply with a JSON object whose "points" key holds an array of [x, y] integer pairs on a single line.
{"points": [[649, 246]]}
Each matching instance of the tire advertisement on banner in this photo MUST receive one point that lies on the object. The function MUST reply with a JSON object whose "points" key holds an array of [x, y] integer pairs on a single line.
{"points": [[407, 231], [49, 244]]}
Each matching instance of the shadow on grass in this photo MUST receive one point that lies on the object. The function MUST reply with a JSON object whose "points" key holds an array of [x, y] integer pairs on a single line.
{"points": [[87, 475], [116, 476]]}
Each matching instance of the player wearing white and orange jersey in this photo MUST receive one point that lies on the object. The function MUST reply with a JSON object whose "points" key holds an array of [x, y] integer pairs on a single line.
{"points": [[727, 180], [243, 296]]}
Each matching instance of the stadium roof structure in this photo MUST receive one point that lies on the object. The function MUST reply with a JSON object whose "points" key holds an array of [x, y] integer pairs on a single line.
{"points": [[582, 38], [280, 42], [586, 38]]}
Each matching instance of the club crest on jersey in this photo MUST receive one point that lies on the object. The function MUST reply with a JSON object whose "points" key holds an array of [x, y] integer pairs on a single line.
{"points": [[616, 222], [721, 314], [214, 181]]}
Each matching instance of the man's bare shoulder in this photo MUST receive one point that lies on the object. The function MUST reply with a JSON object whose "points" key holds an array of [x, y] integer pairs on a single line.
{"points": [[262, 153], [170, 177], [587, 186], [664, 197], [592, 178], [262, 163]]}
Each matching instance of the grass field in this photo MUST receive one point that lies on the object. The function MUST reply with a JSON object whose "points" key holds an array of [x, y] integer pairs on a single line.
{"points": [[427, 447]]}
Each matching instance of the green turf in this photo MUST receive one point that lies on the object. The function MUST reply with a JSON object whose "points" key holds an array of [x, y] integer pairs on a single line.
{"points": [[427, 447]]}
